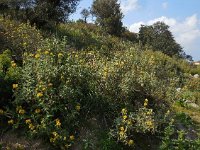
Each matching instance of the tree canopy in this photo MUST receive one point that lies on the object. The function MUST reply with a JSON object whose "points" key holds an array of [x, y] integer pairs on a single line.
{"points": [[108, 15], [37, 10], [159, 37]]}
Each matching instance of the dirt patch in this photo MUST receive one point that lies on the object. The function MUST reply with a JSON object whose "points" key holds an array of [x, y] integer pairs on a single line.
{"points": [[12, 141]]}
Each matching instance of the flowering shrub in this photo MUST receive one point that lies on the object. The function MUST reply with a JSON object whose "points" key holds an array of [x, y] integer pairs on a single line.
{"points": [[19, 37], [9, 74], [49, 96], [58, 89], [141, 121]]}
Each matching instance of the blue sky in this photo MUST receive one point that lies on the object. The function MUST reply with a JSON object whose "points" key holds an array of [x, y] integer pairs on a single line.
{"points": [[183, 17]]}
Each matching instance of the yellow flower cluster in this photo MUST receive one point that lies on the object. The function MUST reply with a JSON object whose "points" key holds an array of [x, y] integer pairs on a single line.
{"points": [[28, 121], [123, 129], [13, 64], [55, 137], [40, 94], [46, 52], [78, 107], [37, 56], [37, 111], [71, 137], [20, 110], [60, 55], [11, 121], [145, 102], [150, 112], [58, 123], [15, 86], [31, 126], [149, 123]]}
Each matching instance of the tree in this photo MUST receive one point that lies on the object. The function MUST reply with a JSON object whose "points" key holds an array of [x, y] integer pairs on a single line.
{"points": [[158, 37], [108, 15], [55, 10], [85, 14], [38, 10]]}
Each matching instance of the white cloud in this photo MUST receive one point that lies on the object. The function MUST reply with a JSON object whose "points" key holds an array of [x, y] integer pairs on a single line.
{"points": [[129, 5], [164, 5], [186, 32], [136, 26], [168, 21]]}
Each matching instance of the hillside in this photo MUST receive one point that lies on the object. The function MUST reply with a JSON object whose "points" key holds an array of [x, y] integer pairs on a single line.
{"points": [[77, 87]]}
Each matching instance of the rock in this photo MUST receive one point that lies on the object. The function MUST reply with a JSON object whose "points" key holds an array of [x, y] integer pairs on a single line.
{"points": [[178, 89], [193, 105], [196, 76]]}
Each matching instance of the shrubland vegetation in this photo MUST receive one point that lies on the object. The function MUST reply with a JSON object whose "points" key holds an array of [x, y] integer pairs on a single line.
{"points": [[79, 86]]}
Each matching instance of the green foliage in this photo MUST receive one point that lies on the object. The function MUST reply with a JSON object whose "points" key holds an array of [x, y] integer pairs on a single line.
{"points": [[85, 73], [170, 141], [129, 123], [9, 74], [190, 92], [108, 15], [161, 39], [39, 12], [91, 37], [19, 38]]}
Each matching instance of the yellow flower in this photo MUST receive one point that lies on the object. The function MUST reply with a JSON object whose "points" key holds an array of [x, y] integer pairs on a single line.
{"points": [[52, 140], [58, 124], [31, 126], [168, 112], [129, 122], [78, 107], [145, 104], [37, 56], [121, 133], [28, 121], [39, 50], [149, 123], [22, 111], [13, 64], [124, 111], [11, 121], [71, 137], [64, 138], [40, 94], [130, 142], [24, 44], [125, 117], [1, 112], [146, 100], [60, 55], [37, 111], [46, 52], [55, 134], [149, 112], [122, 128], [15, 86], [44, 89]]}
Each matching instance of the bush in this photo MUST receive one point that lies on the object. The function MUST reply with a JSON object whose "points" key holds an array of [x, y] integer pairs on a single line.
{"points": [[9, 74], [19, 37]]}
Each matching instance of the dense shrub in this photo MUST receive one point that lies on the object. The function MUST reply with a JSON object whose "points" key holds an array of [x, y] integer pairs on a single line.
{"points": [[85, 73], [9, 74], [19, 37]]}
